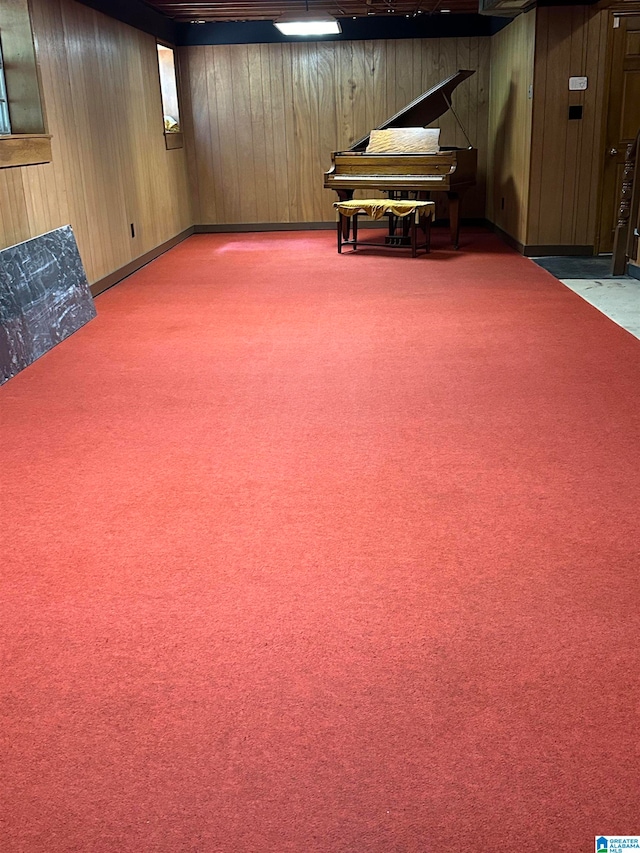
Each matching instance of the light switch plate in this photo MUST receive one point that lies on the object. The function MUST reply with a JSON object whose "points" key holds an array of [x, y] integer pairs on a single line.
{"points": [[577, 84]]}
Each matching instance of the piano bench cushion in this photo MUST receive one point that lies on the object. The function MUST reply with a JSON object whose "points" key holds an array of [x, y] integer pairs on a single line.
{"points": [[376, 208]]}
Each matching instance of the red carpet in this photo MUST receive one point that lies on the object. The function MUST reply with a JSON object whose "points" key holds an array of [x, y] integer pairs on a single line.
{"points": [[308, 553]]}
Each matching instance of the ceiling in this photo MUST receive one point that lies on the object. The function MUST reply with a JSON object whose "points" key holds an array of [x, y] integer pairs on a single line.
{"points": [[268, 10]]}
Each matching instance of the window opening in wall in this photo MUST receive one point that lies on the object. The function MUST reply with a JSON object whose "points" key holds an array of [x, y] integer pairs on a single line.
{"points": [[5, 121], [169, 89], [24, 140]]}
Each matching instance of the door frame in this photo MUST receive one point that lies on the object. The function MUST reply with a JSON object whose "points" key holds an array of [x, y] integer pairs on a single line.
{"points": [[621, 8]]}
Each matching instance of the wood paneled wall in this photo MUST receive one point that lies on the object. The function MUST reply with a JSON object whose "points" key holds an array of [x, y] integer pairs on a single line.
{"points": [[510, 126], [266, 118], [262, 120], [110, 166], [566, 154]]}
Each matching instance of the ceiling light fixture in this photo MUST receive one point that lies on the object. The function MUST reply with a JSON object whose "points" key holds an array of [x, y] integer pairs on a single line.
{"points": [[308, 24]]}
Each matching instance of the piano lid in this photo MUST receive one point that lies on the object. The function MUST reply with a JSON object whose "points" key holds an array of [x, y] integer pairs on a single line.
{"points": [[426, 108]]}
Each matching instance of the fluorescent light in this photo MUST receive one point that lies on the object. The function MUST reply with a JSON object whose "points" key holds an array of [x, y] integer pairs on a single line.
{"points": [[308, 24]]}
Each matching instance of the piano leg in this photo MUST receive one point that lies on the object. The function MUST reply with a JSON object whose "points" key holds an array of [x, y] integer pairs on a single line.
{"points": [[454, 217], [345, 195]]}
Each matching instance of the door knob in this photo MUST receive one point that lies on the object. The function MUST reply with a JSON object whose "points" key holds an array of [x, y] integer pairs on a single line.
{"points": [[613, 151]]}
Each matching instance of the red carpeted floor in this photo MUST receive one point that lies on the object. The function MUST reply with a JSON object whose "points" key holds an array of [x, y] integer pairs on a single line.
{"points": [[308, 553]]}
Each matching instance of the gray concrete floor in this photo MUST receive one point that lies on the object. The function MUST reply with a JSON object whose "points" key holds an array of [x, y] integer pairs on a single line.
{"points": [[617, 298]]}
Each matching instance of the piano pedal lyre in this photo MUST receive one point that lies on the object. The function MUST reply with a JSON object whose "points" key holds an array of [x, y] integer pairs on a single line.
{"points": [[397, 240]]}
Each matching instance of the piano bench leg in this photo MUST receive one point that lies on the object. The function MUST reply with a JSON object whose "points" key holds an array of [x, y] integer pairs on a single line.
{"points": [[355, 231], [340, 234], [346, 226]]}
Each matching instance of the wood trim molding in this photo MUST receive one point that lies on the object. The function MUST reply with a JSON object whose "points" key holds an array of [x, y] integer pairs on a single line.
{"points": [[566, 251], [630, 7], [265, 226], [622, 8], [173, 141], [316, 226], [508, 239], [117, 275], [532, 251], [24, 149]]}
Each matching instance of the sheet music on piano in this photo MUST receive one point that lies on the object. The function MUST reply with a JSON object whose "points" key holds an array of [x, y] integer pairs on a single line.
{"points": [[448, 169]]}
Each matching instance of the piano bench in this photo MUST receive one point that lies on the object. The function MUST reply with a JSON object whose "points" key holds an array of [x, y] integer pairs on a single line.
{"points": [[414, 215]]}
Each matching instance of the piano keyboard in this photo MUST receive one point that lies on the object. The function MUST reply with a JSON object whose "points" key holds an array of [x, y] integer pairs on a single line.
{"points": [[382, 179]]}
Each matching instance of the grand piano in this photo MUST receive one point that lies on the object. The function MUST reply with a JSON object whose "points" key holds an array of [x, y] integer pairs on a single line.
{"points": [[450, 170]]}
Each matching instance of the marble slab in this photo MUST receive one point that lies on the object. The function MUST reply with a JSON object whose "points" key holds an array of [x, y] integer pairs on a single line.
{"points": [[617, 298], [44, 298]]}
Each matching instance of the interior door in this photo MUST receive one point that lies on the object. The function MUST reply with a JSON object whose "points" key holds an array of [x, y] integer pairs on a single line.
{"points": [[623, 120]]}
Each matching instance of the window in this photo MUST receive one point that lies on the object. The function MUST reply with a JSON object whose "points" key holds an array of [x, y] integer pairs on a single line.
{"points": [[24, 140], [5, 123], [169, 91]]}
